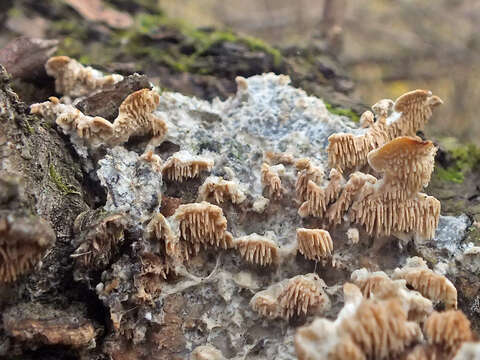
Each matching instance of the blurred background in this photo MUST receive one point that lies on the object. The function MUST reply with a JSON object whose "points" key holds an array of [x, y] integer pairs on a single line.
{"points": [[387, 46], [376, 48]]}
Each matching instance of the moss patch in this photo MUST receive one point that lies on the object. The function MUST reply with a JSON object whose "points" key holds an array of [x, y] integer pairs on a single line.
{"points": [[188, 44], [464, 158], [352, 115], [65, 188]]}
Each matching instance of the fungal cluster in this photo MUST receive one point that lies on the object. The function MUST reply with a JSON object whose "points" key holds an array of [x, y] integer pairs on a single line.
{"points": [[229, 227]]}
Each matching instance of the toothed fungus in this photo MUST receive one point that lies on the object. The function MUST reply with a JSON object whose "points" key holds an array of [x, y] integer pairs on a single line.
{"points": [[379, 286], [217, 188], [271, 179], [317, 198], [314, 244], [99, 236], [182, 165], [430, 284], [353, 235], [300, 295], [448, 329], [159, 256], [394, 205], [75, 80], [257, 249], [364, 329], [135, 118], [23, 242], [412, 111], [165, 240], [274, 158], [306, 172], [201, 224]]}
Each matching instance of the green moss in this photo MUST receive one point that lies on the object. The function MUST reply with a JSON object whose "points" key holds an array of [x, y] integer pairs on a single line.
{"points": [[66, 189], [139, 42], [257, 44], [464, 158], [352, 115]]}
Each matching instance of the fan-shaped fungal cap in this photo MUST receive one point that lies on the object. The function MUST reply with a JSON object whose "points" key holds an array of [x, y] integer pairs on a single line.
{"points": [[135, 117], [314, 244], [307, 172], [367, 119], [430, 284], [364, 329], [449, 329], [74, 79], [182, 165], [159, 229], [302, 294], [270, 176], [383, 108], [99, 235], [412, 98], [406, 162], [202, 224], [217, 188], [299, 295], [257, 249], [23, 242], [378, 285], [412, 111], [274, 158]]}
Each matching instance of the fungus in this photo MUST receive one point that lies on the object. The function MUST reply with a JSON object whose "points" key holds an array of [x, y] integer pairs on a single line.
{"points": [[367, 119], [354, 184], [265, 302], [201, 224], [75, 80], [135, 118], [217, 188], [274, 158], [23, 242], [99, 236], [314, 244], [449, 330], [317, 198], [391, 205], [430, 284], [271, 179], [206, 352], [257, 249], [166, 241], [159, 256], [182, 165], [378, 285], [412, 111], [375, 328], [306, 172], [299, 295], [353, 235]]}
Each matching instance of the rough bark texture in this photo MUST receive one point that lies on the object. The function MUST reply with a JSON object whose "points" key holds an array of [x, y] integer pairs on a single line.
{"points": [[41, 176]]}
